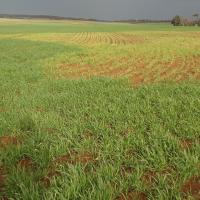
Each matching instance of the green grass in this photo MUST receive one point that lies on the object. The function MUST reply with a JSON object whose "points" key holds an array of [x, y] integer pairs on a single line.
{"points": [[120, 126], [53, 27]]}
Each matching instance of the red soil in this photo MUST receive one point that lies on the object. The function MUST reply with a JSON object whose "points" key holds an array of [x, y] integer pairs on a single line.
{"points": [[85, 158], [186, 143], [27, 164], [46, 180], [126, 170], [149, 177], [191, 187], [138, 69], [74, 158], [6, 141], [168, 171], [138, 79]]}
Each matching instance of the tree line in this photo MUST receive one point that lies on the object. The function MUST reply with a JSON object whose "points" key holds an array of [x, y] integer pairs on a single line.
{"points": [[181, 21]]}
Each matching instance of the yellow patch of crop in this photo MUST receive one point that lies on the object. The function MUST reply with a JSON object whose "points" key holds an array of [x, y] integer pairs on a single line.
{"points": [[86, 39], [48, 37], [41, 21], [142, 57]]}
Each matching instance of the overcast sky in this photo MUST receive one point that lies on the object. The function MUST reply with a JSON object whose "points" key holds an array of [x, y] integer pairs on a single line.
{"points": [[103, 9]]}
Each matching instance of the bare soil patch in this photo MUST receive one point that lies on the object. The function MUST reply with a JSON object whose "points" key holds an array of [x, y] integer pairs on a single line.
{"points": [[46, 180], [139, 70], [126, 170], [138, 79], [71, 158], [191, 188], [169, 170], [27, 164], [186, 143], [6, 141], [74, 158], [149, 178]]}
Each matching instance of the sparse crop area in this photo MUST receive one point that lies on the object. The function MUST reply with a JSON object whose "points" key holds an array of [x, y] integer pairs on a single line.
{"points": [[101, 111]]}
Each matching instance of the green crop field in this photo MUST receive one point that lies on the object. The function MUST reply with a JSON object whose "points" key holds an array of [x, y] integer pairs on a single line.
{"points": [[99, 111]]}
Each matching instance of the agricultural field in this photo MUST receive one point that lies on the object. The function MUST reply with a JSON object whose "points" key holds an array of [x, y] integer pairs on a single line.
{"points": [[99, 111]]}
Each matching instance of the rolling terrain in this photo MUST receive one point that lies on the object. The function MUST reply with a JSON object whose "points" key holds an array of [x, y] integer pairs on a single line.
{"points": [[99, 111]]}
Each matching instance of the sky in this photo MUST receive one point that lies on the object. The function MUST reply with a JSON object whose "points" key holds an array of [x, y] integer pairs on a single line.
{"points": [[103, 9]]}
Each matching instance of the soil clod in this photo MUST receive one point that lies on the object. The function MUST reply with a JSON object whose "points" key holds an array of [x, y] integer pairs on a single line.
{"points": [[6, 141], [27, 164], [191, 188]]}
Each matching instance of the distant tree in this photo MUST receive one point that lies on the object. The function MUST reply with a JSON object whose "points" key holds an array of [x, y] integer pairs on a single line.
{"points": [[196, 15], [187, 22], [176, 21], [197, 20]]}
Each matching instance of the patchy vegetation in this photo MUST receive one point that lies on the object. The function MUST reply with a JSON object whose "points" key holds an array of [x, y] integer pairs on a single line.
{"points": [[102, 115]]}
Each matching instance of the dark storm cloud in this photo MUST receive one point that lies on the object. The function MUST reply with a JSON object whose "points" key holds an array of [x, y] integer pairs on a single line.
{"points": [[103, 9]]}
